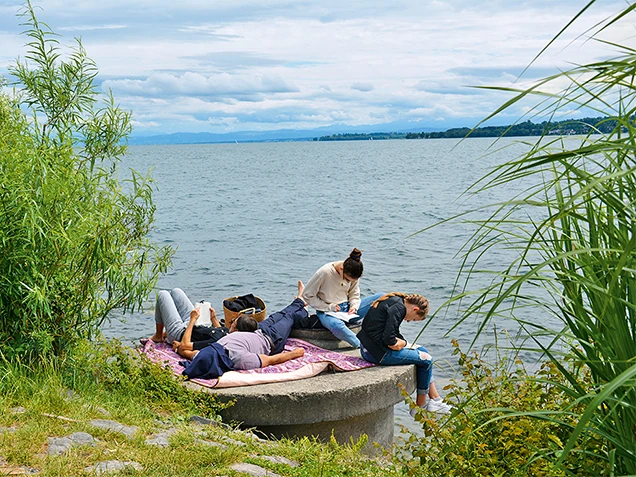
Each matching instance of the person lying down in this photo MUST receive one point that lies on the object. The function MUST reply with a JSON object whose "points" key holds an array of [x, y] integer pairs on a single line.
{"points": [[249, 345]]}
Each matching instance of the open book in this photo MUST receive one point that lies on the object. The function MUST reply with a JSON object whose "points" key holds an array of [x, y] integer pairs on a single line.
{"points": [[343, 315]]}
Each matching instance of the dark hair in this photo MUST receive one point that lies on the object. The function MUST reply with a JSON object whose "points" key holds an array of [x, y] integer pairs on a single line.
{"points": [[353, 265], [246, 323]]}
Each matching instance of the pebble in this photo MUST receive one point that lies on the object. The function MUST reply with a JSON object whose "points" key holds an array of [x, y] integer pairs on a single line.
{"points": [[114, 426], [18, 410], [112, 466], [254, 470]]}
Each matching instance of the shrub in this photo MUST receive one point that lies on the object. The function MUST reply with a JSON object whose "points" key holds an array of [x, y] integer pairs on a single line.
{"points": [[111, 367], [491, 432], [73, 236]]}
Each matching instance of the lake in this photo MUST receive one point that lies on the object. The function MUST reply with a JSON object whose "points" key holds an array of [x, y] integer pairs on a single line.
{"points": [[257, 217]]}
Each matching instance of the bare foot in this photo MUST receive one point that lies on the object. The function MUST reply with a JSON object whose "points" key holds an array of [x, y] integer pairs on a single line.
{"points": [[301, 289], [297, 353], [156, 339]]}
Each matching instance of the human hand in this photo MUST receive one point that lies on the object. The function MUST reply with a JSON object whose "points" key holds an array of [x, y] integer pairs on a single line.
{"points": [[353, 311], [337, 308], [195, 313], [399, 344]]}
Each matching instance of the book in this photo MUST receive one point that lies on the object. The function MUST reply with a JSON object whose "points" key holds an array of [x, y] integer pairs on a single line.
{"points": [[342, 315], [204, 316]]}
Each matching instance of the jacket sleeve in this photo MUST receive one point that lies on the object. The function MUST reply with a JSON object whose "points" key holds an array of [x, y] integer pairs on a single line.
{"points": [[392, 325], [353, 295], [310, 294]]}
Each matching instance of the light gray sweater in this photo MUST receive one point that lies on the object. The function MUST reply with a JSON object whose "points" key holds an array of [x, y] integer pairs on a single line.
{"points": [[327, 289]]}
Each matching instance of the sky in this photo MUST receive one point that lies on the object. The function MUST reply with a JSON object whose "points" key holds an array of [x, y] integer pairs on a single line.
{"points": [[244, 65]]}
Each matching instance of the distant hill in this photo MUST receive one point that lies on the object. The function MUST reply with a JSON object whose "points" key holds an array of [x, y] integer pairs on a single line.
{"points": [[528, 128], [279, 135]]}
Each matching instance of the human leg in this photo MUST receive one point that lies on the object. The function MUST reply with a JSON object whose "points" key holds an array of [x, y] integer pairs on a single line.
{"points": [[278, 325], [167, 316], [338, 328], [420, 358]]}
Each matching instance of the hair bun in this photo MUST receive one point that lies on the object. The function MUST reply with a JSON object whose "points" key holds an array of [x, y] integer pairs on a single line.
{"points": [[355, 255]]}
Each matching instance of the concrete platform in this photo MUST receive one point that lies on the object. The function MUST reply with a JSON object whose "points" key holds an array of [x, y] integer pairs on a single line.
{"points": [[348, 404], [324, 338]]}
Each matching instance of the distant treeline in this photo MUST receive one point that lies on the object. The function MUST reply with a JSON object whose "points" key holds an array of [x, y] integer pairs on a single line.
{"points": [[558, 128], [361, 136]]}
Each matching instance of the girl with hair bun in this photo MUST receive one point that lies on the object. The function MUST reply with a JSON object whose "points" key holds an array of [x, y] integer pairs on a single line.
{"points": [[334, 287], [382, 343]]}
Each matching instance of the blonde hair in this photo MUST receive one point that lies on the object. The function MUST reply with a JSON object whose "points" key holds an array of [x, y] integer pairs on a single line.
{"points": [[414, 299]]}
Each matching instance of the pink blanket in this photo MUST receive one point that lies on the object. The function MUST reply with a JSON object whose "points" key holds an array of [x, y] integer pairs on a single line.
{"points": [[312, 363]]}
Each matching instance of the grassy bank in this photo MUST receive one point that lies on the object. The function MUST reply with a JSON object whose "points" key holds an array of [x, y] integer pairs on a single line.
{"points": [[108, 382]]}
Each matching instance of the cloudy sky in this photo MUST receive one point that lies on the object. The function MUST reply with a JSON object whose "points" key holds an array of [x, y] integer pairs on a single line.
{"points": [[244, 65]]}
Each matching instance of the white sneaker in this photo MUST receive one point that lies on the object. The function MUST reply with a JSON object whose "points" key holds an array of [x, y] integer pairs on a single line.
{"points": [[439, 406]]}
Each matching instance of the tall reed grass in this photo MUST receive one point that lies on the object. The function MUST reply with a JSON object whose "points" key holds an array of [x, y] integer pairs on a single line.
{"points": [[574, 235]]}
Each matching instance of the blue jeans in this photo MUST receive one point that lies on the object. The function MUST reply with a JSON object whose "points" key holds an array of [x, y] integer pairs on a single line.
{"points": [[278, 325], [339, 328], [419, 357]]}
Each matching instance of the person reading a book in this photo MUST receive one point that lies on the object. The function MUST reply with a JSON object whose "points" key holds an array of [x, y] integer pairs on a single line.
{"points": [[172, 314], [382, 343], [259, 345], [334, 293]]}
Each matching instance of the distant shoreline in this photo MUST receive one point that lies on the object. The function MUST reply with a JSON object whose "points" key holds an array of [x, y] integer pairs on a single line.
{"points": [[570, 127]]}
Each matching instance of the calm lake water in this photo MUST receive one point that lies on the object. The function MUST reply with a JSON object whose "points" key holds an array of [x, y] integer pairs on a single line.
{"points": [[255, 218]]}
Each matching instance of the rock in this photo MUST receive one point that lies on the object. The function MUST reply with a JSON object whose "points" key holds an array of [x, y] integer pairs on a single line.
{"points": [[114, 426], [210, 443], [7, 429], [61, 445], [159, 440], [102, 411], [82, 439], [254, 470], [203, 421], [71, 395], [233, 442], [18, 410], [112, 466], [280, 460]]}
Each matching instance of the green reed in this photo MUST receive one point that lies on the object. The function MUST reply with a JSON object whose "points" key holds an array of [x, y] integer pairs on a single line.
{"points": [[574, 238]]}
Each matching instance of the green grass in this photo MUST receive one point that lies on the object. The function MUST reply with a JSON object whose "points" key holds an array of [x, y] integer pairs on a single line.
{"points": [[61, 397]]}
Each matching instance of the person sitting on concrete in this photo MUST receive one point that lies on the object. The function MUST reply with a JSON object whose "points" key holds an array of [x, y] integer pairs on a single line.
{"points": [[334, 287], [173, 310], [247, 349], [382, 343]]}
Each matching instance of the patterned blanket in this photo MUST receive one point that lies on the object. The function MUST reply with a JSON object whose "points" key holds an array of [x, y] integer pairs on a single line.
{"points": [[315, 361]]}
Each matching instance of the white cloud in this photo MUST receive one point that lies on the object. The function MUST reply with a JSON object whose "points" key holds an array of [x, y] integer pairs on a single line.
{"points": [[268, 64]]}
